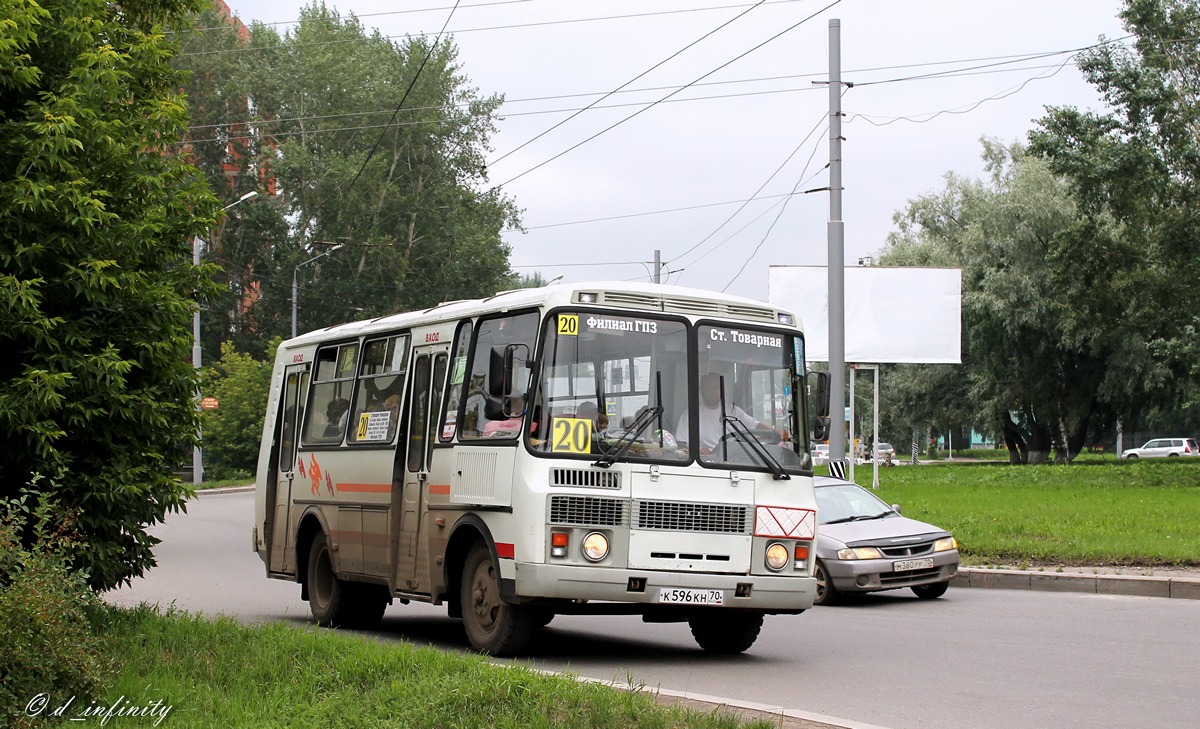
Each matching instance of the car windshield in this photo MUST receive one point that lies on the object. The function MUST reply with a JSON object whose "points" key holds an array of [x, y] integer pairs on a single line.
{"points": [[848, 502]]}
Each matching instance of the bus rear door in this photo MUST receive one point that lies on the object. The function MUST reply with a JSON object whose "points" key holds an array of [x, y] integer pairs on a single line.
{"points": [[279, 492]]}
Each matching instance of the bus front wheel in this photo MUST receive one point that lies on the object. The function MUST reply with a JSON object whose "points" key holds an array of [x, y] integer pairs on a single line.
{"points": [[493, 626], [718, 631]]}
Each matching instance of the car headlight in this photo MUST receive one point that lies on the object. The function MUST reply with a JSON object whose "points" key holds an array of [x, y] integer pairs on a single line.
{"points": [[945, 544], [859, 553], [595, 546], [777, 556]]}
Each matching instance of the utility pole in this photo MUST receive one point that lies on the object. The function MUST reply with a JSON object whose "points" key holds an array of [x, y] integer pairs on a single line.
{"points": [[837, 234], [657, 265]]}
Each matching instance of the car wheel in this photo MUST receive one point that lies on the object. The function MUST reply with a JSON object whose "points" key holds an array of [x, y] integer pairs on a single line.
{"points": [[1132, 456], [720, 631], [931, 591], [1172, 455], [493, 626], [827, 594]]}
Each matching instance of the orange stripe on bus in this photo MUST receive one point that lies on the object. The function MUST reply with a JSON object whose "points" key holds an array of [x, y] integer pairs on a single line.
{"points": [[439, 488], [365, 488]]}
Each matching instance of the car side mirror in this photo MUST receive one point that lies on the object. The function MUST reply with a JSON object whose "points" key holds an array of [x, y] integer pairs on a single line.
{"points": [[896, 508]]}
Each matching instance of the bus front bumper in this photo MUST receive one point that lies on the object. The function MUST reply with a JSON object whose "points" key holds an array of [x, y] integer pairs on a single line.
{"points": [[678, 589]]}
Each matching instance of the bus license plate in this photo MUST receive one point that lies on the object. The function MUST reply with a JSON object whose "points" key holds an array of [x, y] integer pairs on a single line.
{"points": [[912, 564], [691, 597]]}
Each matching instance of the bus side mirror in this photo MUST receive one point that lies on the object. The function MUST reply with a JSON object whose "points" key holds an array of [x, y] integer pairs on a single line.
{"points": [[516, 369], [821, 399]]}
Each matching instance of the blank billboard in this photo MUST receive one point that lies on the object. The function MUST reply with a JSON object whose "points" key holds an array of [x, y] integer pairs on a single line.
{"points": [[893, 314]]}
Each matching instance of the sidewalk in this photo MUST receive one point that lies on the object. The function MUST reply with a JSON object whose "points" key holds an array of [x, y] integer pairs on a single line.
{"points": [[1138, 581]]}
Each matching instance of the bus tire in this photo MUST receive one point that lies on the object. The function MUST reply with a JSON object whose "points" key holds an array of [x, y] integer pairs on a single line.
{"points": [[493, 626], [337, 603], [724, 632]]}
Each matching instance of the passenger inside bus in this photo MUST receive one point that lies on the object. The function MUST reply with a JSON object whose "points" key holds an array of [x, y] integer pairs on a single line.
{"points": [[711, 427], [335, 417], [514, 412]]}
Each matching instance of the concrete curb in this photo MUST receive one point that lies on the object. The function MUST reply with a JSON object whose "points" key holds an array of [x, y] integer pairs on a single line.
{"points": [[1187, 588]]}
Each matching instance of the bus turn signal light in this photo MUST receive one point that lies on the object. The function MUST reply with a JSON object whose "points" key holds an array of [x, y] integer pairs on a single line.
{"points": [[558, 544]]}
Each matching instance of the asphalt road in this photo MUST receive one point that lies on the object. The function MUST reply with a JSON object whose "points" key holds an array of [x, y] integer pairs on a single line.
{"points": [[979, 658]]}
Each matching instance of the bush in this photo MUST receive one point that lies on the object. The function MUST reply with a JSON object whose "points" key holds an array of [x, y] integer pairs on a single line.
{"points": [[49, 620], [233, 431]]}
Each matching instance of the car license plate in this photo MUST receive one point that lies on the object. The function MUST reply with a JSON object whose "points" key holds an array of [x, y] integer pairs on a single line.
{"points": [[691, 597], [912, 564]]}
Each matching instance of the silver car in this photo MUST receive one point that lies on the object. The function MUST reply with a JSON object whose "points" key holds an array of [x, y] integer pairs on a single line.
{"points": [[864, 545]]}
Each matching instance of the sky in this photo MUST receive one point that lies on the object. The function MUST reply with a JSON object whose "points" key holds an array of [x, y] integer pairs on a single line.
{"points": [[718, 127]]}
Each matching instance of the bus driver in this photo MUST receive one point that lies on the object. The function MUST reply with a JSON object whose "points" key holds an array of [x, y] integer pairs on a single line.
{"points": [[711, 427]]}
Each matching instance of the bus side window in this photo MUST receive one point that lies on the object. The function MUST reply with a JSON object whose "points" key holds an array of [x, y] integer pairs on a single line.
{"points": [[325, 416], [376, 413], [484, 410], [458, 379]]}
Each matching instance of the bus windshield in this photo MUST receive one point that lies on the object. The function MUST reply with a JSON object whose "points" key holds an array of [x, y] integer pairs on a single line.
{"points": [[611, 383], [620, 386], [748, 411]]}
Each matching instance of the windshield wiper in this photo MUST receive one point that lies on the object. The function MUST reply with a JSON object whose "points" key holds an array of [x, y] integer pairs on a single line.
{"points": [[743, 434], [856, 517], [636, 428], [630, 436]]}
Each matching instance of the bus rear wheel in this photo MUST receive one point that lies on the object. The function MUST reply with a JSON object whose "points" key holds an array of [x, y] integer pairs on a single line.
{"points": [[720, 631], [493, 626], [337, 603]]}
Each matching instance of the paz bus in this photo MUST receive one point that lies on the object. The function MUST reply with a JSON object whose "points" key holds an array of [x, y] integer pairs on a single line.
{"points": [[534, 453]]}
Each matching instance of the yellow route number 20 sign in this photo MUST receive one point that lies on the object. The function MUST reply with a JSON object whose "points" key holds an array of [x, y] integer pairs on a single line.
{"points": [[568, 325], [571, 435]]}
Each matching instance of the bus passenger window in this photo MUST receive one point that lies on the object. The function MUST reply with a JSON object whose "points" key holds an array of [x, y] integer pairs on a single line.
{"points": [[376, 415], [324, 421]]}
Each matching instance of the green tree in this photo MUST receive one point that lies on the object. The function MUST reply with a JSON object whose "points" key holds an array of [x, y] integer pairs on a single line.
{"points": [[98, 287], [1037, 305], [233, 431], [1138, 164], [375, 144]]}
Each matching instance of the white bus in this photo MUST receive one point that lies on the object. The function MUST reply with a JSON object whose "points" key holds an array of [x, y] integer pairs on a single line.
{"points": [[534, 453]]}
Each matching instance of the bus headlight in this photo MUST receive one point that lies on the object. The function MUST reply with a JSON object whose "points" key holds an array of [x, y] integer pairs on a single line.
{"points": [[777, 556], [595, 546]]}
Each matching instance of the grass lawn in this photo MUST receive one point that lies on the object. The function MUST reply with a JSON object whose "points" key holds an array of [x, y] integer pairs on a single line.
{"points": [[1098, 511], [219, 673]]}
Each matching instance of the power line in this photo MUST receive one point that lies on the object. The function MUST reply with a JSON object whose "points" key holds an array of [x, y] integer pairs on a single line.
{"points": [[518, 26], [766, 182], [782, 208], [681, 88], [635, 78]]}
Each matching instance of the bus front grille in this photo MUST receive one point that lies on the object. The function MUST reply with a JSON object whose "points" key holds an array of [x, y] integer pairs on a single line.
{"points": [[588, 511], [585, 479], [686, 517]]}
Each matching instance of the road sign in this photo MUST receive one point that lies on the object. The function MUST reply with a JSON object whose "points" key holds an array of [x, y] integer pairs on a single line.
{"points": [[208, 403]]}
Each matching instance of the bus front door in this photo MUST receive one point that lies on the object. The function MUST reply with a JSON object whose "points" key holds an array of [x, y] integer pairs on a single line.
{"points": [[424, 405], [291, 414]]}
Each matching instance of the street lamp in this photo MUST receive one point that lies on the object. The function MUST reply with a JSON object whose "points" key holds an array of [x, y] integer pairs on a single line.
{"points": [[296, 285], [197, 249]]}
